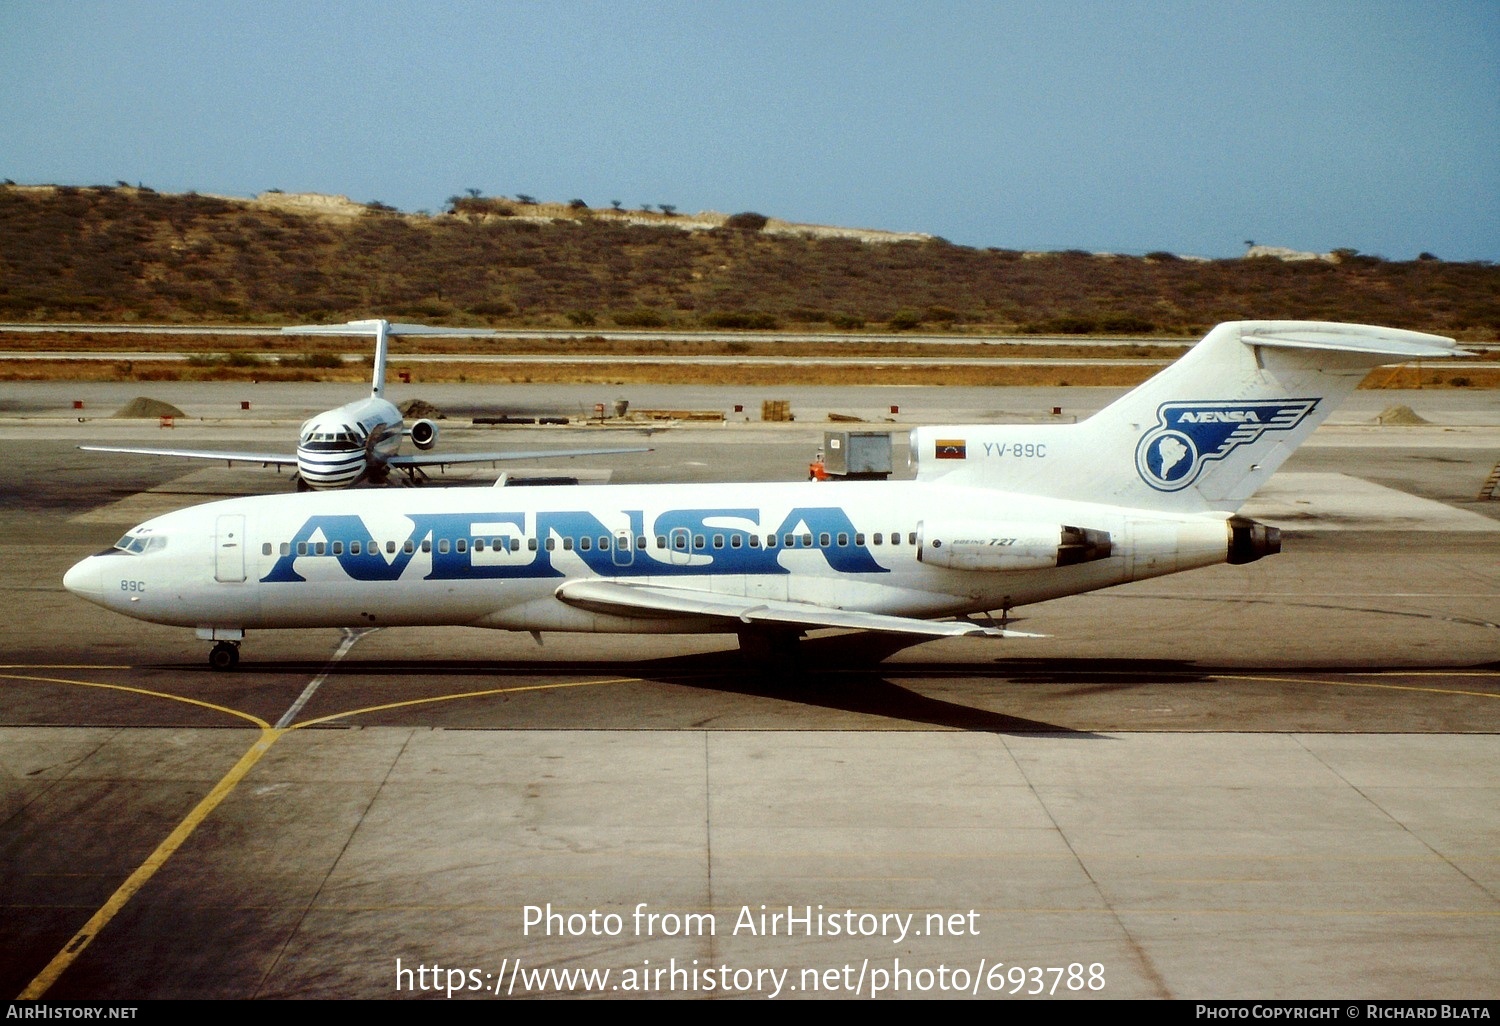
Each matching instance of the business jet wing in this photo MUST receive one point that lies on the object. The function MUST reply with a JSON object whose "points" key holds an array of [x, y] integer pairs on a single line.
{"points": [[265, 459], [444, 459], [654, 600]]}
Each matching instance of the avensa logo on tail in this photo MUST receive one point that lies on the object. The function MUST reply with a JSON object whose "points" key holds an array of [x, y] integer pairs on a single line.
{"points": [[1190, 435]]}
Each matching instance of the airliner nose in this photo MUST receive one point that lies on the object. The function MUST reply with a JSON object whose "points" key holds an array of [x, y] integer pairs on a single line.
{"points": [[82, 579]]}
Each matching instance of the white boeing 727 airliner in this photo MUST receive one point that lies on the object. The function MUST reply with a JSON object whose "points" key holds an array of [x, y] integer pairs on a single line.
{"points": [[360, 441], [997, 517]]}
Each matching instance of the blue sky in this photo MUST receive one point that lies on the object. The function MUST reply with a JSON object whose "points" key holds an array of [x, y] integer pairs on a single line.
{"points": [[1124, 126]]}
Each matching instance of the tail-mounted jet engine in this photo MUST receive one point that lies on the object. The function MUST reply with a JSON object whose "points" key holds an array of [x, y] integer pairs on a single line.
{"points": [[1250, 540], [960, 545], [423, 434]]}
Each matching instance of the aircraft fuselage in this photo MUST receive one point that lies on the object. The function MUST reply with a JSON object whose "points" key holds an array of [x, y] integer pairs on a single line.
{"points": [[495, 557]]}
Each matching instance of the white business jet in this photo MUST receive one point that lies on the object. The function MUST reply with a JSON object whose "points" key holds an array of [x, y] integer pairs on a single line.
{"points": [[997, 517], [361, 441]]}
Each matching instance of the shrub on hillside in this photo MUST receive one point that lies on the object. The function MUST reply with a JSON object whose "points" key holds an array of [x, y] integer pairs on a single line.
{"points": [[640, 317], [1067, 325], [311, 360], [741, 319], [491, 308], [747, 221]]}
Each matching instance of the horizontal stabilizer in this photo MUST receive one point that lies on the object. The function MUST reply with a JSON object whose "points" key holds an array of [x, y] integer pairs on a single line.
{"points": [[373, 327], [642, 600], [1391, 344]]}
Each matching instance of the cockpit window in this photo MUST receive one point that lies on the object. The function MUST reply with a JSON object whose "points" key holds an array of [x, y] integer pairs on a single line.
{"points": [[139, 544], [329, 441]]}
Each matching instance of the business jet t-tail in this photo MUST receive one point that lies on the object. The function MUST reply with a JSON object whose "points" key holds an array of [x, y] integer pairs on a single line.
{"points": [[361, 441], [997, 517]]}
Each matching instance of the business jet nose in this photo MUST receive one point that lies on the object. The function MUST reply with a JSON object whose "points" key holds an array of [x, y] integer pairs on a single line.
{"points": [[330, 469], [82, 579]]}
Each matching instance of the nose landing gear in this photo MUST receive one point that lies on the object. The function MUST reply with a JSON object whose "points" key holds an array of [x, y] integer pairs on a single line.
{"points": [[225, 655]]}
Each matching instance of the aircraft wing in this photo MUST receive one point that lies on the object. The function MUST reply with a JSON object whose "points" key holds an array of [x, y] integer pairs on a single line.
{"points": [[267, 459], [655, 600], [434, 459]]}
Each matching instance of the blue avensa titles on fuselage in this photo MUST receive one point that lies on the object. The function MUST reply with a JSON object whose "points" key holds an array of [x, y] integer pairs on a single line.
{"points": [[692, 546]]}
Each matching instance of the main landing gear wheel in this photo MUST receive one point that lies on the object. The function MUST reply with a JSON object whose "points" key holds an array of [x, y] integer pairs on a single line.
{"points": [[224, 656]]}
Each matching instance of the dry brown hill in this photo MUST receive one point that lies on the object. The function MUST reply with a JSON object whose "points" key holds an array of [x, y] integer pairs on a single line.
{"points": [[122, 253]]}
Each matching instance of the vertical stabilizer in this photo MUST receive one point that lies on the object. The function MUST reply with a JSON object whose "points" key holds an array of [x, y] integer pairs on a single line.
{"points": [[382, 349], [1202, 435]]}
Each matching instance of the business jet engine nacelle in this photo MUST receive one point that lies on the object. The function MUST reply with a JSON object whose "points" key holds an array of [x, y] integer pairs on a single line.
{"points": [[991, 545], [423, 434]]}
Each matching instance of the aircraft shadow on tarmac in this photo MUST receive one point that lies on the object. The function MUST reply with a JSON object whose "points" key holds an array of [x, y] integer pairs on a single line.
{"points": [[844, 673]]}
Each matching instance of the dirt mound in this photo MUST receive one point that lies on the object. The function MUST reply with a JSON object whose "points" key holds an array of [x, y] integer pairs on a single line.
{"points": [[140, 406], [418, 409], [312, 203], [1401, 415]]}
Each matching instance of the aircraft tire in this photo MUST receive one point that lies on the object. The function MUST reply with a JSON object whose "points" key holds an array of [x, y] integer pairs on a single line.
{"points": [[224, 656]]}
